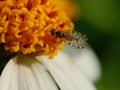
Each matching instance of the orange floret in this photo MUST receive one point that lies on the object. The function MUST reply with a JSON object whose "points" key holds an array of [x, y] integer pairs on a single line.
{"points": [[25, 26]]}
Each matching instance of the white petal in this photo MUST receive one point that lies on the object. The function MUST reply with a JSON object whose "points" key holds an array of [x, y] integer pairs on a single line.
{"points": [[66, 73], [87, 60], [24, 73], [8, 80], [60, 77]]}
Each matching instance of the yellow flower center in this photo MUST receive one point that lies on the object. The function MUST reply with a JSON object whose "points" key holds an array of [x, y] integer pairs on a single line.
{"points": [[25, 26]]}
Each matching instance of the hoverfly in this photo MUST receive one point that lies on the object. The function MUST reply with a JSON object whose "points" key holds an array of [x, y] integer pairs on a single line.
{"points": [[73, 38]]}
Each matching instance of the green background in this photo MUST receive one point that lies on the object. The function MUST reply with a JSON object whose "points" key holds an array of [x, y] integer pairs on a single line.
{"points": [[100, 21]]}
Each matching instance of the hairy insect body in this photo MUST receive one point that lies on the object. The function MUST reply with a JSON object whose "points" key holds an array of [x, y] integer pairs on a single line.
{"points": [[73, 38]]}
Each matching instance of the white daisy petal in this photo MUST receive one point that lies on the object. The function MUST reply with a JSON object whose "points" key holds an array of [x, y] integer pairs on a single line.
{"points": [[71, 68], [61, 78], [87, 61], [8, 80], [25, 73], [26, 79], [70, 71], [66, 73], [43, 78]]}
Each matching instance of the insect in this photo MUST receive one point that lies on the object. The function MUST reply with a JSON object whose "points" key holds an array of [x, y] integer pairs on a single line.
{"points": [[73, 38]]}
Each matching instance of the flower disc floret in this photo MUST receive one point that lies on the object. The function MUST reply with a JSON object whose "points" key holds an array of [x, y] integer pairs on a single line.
{"points": [[25, 26]]}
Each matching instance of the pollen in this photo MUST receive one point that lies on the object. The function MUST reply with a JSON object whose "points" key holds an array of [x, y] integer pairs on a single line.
{"points": [[25, 26]]}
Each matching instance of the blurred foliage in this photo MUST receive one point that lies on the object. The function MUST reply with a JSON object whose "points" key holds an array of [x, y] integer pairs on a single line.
{"points": [[100, 21]]}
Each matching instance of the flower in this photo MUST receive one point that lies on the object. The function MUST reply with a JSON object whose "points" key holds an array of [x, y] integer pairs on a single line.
{"points": [[67, 71], [25, 26], [33, 31]]}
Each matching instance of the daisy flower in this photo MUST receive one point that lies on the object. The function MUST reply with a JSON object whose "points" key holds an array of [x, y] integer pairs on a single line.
{"points": [[33, 31]]}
